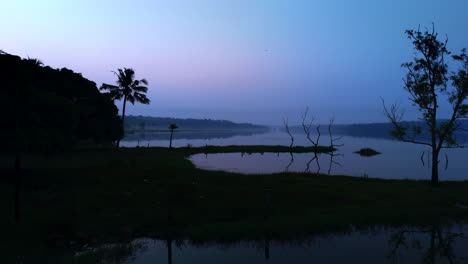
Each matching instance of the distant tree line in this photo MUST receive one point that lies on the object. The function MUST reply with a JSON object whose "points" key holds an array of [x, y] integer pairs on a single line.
{"points": [[148, 122], [384, 130], [46, 109]]}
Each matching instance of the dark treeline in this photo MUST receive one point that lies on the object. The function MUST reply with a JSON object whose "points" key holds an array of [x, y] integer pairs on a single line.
{"points": [[382, 130], [46, 109], [148, 122], [201, 134]]}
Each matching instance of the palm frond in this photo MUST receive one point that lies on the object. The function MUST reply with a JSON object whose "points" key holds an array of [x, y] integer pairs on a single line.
{"points": [[142, 89], [141, 98], [109, 87], [127, 87], [116, 95], [131, 98]]}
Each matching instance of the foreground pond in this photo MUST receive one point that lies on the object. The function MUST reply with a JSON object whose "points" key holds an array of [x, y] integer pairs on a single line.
{"points": [[431, 244]]}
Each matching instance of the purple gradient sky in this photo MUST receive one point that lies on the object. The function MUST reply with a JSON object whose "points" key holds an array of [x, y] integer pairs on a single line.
{"points": [[243, 60]]}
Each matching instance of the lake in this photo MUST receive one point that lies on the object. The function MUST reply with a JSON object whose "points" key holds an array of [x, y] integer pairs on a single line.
{"points": [[410, 244], [398, 160]]}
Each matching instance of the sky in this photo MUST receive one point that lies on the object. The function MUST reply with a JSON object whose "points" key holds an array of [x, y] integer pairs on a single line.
{"points": [[253, 61]]}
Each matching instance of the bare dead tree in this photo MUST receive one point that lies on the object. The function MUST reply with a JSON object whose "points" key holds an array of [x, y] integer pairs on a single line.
{"points": [[333, 144], [307, 127], [286, 127]]}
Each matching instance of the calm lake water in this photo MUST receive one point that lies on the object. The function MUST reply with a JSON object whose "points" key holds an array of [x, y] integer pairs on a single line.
{"points": [[398, 160], [431, 244]]}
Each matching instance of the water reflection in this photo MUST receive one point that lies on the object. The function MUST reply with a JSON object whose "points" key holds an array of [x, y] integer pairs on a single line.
{"points": [[435, 243], [384, 166], [270, 162], [290, 162], [398, 160], [429, 245]]}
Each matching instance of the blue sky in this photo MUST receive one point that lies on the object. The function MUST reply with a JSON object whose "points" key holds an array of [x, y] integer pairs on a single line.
{"points": [[243, 60]]}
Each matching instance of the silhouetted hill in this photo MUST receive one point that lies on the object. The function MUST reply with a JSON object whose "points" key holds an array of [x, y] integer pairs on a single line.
{"points": [[46, 109], [149, 122]]}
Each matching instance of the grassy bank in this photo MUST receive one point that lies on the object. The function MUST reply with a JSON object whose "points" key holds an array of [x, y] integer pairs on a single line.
{"points": [[102, 194], [256, 149]]}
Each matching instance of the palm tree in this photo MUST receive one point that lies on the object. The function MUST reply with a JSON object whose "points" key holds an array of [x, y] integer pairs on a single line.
{"points": [[172, 127], [127, 88]]}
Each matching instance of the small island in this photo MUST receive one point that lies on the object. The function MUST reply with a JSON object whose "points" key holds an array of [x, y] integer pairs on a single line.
{"points": [[367, 152]]}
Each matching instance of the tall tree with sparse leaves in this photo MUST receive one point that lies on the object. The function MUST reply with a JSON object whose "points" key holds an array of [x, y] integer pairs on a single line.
{"points": [[128, 89], [428, 82]]}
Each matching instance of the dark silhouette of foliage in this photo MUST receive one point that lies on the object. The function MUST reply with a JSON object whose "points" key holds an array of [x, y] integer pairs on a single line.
{"points": [[47, 109], [127, 89], [172, 127], [427, 80]]}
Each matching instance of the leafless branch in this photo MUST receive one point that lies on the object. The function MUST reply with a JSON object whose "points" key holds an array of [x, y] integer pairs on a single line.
{"points": [[308, 127], [395, 116]]}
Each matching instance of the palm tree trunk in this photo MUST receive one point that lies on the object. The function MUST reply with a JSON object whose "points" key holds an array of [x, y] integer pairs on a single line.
{"points": [[170, 141], [123, 118]]}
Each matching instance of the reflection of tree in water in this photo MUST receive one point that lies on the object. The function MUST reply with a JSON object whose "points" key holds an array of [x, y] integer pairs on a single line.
{"points": [[333, 143], [332, 161], [431, 245], [179, 243], [440, 244], [290, 162], [315, 158], [125, 252]]}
